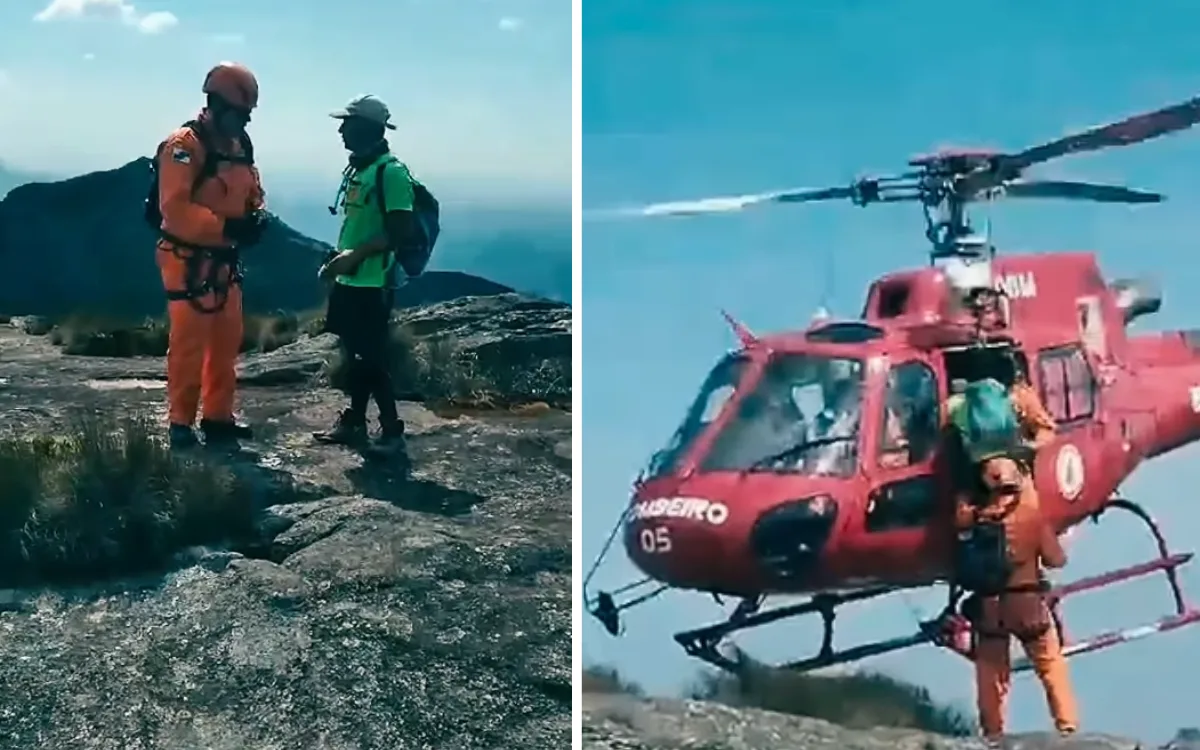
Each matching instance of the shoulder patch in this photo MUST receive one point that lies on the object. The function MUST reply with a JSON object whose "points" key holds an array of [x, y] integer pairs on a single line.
{"points": [[180, 156]]}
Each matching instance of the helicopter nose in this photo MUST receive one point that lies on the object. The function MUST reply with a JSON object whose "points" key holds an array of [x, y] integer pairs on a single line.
{"points": [[787, 540]]}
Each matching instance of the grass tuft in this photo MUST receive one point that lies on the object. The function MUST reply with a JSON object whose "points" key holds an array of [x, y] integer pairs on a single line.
{"points": [[99, 336], [862, 700], [108, 498]]}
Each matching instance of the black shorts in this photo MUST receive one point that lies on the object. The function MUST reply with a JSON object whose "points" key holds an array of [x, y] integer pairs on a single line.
{"points": [[359, 316]]}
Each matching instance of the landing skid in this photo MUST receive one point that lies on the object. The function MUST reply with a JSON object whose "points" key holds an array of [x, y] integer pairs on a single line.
{"points": [[945, 629], [703, 642], [1166, 562], [948, 630]]}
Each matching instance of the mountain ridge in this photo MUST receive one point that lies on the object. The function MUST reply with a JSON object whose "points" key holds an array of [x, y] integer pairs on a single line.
{"points": [[522, 245]]}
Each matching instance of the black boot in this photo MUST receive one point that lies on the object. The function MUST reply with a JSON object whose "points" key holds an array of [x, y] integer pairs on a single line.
{"points": [[224, 431], [181, 437], [349, 429], [391, 435]]}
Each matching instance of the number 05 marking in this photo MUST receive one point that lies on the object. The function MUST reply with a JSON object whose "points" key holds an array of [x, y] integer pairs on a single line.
{"points": [[655, 541]]}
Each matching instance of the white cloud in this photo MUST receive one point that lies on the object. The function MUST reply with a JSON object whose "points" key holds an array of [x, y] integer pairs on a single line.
{"points": [[509, 23], [156, 22], [118, 10], [89, 56], [228, 38]]}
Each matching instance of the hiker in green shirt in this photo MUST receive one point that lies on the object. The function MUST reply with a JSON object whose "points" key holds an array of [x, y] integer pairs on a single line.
{"points": [[379, 231]]}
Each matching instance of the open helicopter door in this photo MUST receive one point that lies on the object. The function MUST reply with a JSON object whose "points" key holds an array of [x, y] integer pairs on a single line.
{"points": [[905, 495]]}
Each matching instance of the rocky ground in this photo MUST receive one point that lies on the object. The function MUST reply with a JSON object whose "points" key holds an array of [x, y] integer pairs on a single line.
{"points": [[380, 608], [624, 722]]}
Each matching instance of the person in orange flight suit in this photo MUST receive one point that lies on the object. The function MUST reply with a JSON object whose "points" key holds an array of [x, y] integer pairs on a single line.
{"points": [[212, 204], [1037, 426], [1021, 611]]}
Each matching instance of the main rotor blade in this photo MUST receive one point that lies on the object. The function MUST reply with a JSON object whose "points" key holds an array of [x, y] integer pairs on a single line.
{"points": [[1132, 130], [735, 202], [1084, 191]]}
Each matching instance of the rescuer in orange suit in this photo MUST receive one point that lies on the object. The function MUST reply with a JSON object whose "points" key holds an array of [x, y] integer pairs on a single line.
{"points": [[1037, 426], [210, 209], [1021, 611]]}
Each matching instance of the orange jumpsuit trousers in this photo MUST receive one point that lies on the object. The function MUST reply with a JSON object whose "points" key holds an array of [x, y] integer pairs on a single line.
{"points": [[993, 679], [203, 346], [1032, 544]]}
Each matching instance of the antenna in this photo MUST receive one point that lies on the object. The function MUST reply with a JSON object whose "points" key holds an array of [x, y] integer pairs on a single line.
{"points": [[743, 333]]}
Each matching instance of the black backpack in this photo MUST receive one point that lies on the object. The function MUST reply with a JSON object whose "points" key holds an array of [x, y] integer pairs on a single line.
{"points": [[981, 561], [212, 159], [428, 215]]}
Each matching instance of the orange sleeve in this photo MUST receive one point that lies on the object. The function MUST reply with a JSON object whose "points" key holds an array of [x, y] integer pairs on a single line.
{"points": [[1050, 548], [1029, 408], [178, 164]]}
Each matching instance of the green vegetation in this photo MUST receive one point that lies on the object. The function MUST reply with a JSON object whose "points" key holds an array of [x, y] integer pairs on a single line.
{"points": [[860, 700], [434, 369], [108, 498], [101, 336], [438, 370], [601, 679]]}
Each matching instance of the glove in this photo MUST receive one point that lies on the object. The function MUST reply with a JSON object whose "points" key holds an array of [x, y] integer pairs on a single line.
{"points": [[248, 229]]}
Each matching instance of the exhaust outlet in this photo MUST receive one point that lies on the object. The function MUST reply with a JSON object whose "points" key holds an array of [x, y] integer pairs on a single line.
{"points": [[1136, 297]]}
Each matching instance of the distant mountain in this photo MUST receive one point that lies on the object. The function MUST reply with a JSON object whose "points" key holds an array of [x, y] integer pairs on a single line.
{"points": [[11, 178], [524, 247], [527, 248], [80, 245]]}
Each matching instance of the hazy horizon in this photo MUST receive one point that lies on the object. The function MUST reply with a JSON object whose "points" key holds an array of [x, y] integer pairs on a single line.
{"points": [[480, 193], [479, 92]]}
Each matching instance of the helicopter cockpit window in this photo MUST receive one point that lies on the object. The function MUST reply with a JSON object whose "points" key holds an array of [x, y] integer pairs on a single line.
{"points": [[909, 430], [802, 416], [718, 388]]}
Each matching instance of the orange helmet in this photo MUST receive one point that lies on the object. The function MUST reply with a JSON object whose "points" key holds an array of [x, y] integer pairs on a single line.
{"points": [[234, 83]]}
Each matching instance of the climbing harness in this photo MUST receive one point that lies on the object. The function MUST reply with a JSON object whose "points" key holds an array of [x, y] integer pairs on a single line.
{"points": [[197, 284]]}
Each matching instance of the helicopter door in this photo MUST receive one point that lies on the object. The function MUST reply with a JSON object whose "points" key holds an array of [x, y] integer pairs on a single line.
{"points": [[904, 489]]}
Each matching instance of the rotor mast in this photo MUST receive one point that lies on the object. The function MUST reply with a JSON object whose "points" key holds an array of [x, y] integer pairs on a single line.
{"points": [[950, 233]]}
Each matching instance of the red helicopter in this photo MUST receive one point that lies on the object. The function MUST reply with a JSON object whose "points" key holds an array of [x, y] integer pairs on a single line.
{"points": [[811, 462]]}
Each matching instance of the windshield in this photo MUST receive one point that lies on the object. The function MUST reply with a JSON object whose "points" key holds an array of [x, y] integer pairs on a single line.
{"points": [[802, 416], [714, 394]]}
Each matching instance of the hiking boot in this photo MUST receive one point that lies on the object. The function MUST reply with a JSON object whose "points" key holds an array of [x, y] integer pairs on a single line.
{"points": [[391, 436], [224, 431], [349, 429], [181, 436]]}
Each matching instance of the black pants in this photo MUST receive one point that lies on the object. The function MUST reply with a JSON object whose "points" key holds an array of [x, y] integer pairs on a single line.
{"points": [[359, 316]]}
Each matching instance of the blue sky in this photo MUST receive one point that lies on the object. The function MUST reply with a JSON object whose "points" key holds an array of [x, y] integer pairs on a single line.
{"points": [[480, 89], [690, 98]]}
